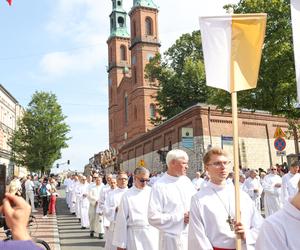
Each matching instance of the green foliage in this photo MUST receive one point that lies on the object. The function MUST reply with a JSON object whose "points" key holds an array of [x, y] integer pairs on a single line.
{"points": [[180, 75], [40, 134]]}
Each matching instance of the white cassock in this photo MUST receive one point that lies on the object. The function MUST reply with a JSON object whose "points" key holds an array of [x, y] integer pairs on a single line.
{"points": [[67, 184], [170, 198], [209, 226], [249, 186], [132, 230], [272, 197], [84, 205], [198, 182], [280, 230], [73, 196], [111, 205], [94, 193], [78, 196], [104, 223], [289, 185]]}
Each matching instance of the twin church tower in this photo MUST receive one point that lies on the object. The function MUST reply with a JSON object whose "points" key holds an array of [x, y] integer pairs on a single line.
{"points": [[131, 95]]}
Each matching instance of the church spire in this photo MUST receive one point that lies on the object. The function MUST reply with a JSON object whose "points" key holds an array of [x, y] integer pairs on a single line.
{"points": [[144, 3], [118, 20]]}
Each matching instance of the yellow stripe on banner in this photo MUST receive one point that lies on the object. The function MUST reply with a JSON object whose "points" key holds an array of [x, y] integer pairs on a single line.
{"points": [[248, 31]]}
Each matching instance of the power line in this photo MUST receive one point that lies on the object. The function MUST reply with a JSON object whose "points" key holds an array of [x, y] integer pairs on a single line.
{"points": [[45, 53]]}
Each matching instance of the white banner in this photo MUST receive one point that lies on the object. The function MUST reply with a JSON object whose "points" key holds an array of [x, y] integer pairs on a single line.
{"points": [[295, 10]]}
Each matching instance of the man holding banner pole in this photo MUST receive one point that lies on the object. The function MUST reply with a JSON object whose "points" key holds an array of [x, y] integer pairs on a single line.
{"points": [[232, 47]]}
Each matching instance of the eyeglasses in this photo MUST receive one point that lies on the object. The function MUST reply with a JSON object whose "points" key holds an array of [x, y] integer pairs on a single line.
{"points": [[123, 179], [144, 180], [219, 164]]}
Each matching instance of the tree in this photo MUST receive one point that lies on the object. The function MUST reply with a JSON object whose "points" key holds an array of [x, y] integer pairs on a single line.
{"points": [[40, 134], [180, 74]]}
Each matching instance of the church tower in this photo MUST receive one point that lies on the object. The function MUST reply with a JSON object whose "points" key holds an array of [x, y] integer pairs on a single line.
{"points": [[118, 62], [144, 45], [131, 95]]}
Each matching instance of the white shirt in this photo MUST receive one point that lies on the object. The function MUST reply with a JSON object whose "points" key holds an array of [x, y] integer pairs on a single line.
{"points": [[280, 230], [29, 185], [132, 230], [210, 208], [198, 182], [170, 198]]}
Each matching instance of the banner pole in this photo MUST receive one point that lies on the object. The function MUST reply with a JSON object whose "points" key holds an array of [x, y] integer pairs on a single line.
{"points": [[236, 164]]}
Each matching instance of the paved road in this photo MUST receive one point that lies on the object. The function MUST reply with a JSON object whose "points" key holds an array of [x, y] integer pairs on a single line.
{"points": [[72, 237]]}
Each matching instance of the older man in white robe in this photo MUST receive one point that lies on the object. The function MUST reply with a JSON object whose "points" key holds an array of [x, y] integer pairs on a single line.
{"points": [[272, 188], [111, 207], [253, 187], [281, 229], [132, 230], [170, 202], [212, 215], [289, 188], [93, 197]]}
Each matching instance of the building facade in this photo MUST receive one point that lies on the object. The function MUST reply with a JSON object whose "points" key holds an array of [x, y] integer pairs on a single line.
{"points": [[10, 112], [131, 95], [200, 127]]}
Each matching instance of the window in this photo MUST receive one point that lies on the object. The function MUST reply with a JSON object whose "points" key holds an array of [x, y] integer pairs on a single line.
{"points": [[126, 108], [135, 113], [152, 110], [134, 29], [121, 21], [123, 55], [148, 26], [110, 54], [134, 76]]}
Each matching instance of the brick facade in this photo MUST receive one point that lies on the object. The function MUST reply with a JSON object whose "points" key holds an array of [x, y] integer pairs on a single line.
{"points": [[256, 139]]}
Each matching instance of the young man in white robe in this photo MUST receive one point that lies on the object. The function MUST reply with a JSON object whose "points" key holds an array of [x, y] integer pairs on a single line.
{"points": [[72, 189], [272, 192], [67, 183], [132, 230], [111, 207], [290, 188], [84, 203], [253, 187], [281, 229], [212, 214], [111, 184], [169, 204], [93, 197]]}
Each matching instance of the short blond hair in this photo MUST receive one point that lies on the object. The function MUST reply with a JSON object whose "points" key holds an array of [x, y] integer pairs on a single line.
{"points": [[211, 152]]}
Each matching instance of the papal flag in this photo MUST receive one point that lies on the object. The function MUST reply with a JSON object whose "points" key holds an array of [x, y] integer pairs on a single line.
{"points": [[232, 47], [295, 11]]}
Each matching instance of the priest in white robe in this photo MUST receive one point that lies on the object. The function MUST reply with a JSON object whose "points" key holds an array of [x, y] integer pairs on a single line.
{"points": [[93, 197], [169, 204], [111, 207], [272, 188], [132, 230], [212, 213], [253, 187], [289, 189], [73, 194], [281, 229]]}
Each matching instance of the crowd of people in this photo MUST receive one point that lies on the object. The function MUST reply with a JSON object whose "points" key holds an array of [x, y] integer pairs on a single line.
{"points": [[168, 211]]}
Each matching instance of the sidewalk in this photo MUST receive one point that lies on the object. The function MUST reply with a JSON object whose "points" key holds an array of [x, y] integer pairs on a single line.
{"points": [[44, 229]]}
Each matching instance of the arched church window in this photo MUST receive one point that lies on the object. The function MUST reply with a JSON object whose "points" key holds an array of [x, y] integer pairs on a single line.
{"points": [[152, 110], [121, 21], [134, 76], [148, 26], [123, 54], [119, 3], [126, 108]]}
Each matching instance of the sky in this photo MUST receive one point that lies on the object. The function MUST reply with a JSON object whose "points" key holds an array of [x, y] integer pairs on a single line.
{"points": [[59, 46]]}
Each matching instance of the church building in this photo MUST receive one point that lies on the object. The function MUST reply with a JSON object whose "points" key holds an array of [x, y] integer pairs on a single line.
{"points": [[132, 105], [131, 95]]}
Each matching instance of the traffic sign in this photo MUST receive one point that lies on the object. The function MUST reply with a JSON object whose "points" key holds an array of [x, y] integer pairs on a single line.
{"points": [[281, 153], [279, 133], [279, 144]]}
